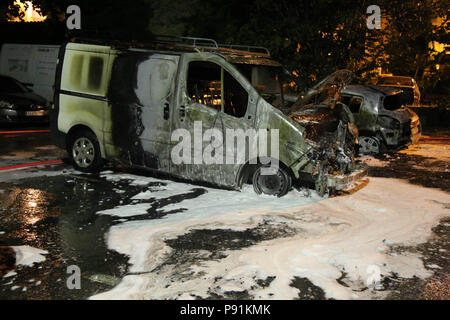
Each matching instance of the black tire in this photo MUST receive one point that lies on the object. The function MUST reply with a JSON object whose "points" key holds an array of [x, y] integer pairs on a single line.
{"points": [[84, 151], [277, 184], [369, 145]]}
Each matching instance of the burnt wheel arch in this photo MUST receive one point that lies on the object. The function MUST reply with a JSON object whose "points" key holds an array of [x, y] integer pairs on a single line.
{"points": [[247, 170]]}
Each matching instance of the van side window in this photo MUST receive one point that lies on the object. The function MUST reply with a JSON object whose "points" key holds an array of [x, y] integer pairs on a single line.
{"points": [[236, 97], [86, 74], [204, 83], [95, 72], [76, 68], [353, 103], [205, 86]]}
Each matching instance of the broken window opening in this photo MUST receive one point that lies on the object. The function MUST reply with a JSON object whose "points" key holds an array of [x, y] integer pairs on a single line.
{"points": [[353, 103], [235, 97], [95, 72], [204, 84], [393, 102], [211, 85]]}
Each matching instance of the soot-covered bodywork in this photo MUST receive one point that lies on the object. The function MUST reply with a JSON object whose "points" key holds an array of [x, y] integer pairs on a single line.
{"points": [[384, 122], [139, 94], [138, 106]]}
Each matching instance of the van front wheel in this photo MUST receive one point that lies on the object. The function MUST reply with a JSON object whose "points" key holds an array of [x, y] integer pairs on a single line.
{"points": [[85, 152], [276, 183]]}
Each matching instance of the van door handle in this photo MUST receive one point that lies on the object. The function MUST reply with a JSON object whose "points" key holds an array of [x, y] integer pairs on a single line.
{"points": [[166, 111], [182, 111]]}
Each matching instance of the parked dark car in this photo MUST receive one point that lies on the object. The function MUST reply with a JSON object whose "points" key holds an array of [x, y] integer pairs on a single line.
{"points": [[410, 90], [19, 104]]}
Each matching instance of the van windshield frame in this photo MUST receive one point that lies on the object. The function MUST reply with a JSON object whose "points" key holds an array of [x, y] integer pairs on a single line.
{"points": [[267, 80]]}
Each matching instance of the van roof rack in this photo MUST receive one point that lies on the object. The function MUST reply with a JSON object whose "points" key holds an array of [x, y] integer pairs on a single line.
{"points": [[182, 43], [240, 47], [193, 42]]}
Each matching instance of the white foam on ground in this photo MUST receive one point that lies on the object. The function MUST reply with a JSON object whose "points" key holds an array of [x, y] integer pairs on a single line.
{"points": [[213, 202], [344, 234], [27, 256]]}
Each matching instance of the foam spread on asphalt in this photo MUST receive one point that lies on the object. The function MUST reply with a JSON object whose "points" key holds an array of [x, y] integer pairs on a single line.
{"points": [[348, 238]]}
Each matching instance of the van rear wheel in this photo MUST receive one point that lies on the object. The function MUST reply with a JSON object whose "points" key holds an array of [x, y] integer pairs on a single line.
{"points": [[276, 184], [85, 152]]}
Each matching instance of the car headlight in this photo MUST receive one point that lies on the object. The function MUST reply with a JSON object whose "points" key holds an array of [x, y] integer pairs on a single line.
{"points": [[388, 122], [6, 105]]}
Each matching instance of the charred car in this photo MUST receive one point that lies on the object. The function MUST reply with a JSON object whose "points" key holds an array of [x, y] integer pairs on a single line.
{"points": [[125, 103], [20, 104], [383, 120]]}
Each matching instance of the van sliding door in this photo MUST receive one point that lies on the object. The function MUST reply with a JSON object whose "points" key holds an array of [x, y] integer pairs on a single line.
{"points": [[141, 96]]}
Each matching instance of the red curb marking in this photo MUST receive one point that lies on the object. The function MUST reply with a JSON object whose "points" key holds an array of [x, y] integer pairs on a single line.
{"points": [[24, 131], [33, 164]]}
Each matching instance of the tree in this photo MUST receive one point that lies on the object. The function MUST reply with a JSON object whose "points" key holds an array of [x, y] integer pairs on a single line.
{"points": [[312, 38], [413, 28]]}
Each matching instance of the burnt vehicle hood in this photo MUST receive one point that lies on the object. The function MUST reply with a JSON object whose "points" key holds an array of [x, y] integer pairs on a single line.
{"points": [[320, 119], [320, 111], [325, 90], [25, 100]]}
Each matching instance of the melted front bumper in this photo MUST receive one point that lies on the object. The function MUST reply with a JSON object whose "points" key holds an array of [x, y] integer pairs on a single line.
{"points": [[340, 181]]}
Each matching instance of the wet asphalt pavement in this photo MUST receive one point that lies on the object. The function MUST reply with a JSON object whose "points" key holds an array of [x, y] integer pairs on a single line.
{"points": [[58, 212]]}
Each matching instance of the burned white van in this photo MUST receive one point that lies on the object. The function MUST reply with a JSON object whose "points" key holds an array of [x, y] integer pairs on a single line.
{"points": [[188, 99]]}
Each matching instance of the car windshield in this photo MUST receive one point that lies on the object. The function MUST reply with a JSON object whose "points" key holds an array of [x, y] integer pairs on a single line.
{"points": [[396, 81], [265, 79], [9, 85]]}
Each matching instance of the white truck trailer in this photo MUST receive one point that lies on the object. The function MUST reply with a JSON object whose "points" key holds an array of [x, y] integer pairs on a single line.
{"points": [[32, 64]]}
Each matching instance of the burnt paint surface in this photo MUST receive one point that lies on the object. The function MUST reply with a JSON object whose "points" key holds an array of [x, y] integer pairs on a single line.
{"points": [[146, 95]]}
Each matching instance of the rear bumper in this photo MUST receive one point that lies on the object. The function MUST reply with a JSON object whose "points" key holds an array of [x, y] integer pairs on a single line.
{"points": [[339, 182]]}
